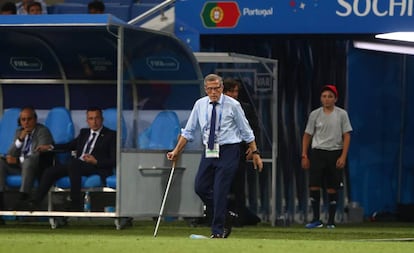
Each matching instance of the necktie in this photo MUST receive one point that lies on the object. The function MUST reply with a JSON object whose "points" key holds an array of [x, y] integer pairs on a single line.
{"points": [[210, 144], [89, 145], [26, 148]]}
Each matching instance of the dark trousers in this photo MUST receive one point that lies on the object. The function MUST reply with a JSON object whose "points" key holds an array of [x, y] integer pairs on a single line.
{"points": [[213, 181], [75, 169]]}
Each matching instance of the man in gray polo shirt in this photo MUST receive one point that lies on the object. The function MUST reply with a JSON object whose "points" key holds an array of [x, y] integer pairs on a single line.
{"points": [[329, 130]]}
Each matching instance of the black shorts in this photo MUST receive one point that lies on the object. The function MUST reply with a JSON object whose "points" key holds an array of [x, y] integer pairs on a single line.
{"points": [[323, 171]]}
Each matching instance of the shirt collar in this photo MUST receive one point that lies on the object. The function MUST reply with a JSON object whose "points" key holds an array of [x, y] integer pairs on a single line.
{"points": [[97, 131], [219, 101]]}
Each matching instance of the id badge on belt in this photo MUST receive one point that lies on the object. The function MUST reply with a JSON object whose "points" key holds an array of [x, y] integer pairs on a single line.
{"points": [[213, 153]]}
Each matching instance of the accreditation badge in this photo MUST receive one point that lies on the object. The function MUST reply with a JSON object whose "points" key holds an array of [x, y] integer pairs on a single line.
{"points": [[213, 153]]}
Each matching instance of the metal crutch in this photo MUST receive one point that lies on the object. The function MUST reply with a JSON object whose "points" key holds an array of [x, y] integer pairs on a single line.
{"points": [[165, 198]]}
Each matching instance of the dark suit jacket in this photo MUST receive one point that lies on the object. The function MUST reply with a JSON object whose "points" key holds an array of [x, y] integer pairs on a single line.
{"points": [[104, 150]]}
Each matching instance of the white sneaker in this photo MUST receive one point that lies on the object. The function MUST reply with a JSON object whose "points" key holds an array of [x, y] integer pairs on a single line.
{"points": [[330, 226]]}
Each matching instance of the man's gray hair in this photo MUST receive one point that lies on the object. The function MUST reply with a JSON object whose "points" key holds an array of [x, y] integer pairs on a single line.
{"points": [[213, 77]]}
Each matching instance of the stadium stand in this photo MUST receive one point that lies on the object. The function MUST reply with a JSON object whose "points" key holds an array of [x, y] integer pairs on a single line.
{"points": [[69, 8], [123, 9]]}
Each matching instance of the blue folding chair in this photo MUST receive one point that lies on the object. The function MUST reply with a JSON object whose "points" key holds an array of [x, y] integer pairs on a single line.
{"points": [[60, 123], [162, 134], [111, 181], [8, 126], [70, 8], [110, 121], [119, 11]]}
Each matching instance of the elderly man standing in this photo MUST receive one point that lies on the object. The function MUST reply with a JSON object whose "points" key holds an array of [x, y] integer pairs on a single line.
{"points": [[223, 126]]}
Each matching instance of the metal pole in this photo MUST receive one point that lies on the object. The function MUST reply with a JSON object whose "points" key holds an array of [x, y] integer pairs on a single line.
{"points": [[274, 214], [120, 79], [151, 11], [164, 199]]}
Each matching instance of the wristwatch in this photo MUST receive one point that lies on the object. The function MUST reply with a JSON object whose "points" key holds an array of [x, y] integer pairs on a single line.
{"points": [[256, 152]]}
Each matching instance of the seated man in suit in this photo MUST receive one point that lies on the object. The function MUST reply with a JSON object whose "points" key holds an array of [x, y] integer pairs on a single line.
{"points": [[95, 154], [24, 156]]}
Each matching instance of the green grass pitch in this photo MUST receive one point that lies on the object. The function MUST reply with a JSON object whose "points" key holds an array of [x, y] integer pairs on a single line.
{"points": [[100, 236]]}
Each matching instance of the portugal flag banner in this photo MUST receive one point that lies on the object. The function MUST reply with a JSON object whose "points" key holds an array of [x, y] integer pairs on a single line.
{"points": [[220, 14]]}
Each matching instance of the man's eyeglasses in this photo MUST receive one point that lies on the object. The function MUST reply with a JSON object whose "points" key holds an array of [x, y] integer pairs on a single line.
{"points": [[210, 89]]}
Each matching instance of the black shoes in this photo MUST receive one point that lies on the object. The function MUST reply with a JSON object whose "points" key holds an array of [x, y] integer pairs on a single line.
{"points": [[228, 223]]}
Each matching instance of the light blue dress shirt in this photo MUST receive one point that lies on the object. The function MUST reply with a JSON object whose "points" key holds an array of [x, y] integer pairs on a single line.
{"points": [[231, 126]]}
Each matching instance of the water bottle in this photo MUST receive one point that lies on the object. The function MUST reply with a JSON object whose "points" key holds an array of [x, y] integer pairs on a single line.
{"points": [[195, 236], [87, 202]]}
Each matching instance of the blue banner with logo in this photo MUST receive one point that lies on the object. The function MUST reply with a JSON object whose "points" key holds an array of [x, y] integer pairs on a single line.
{"points": [[293, 16]]}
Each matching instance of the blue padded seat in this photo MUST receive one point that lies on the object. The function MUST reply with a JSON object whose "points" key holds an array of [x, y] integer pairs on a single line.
{"points": [[162, 134], [120, 11], [111, 181], [15, 181], [110, 121], [8, 126], [60, 123], [64, 182], [92, 181], [140, 8], [70, 8]]}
